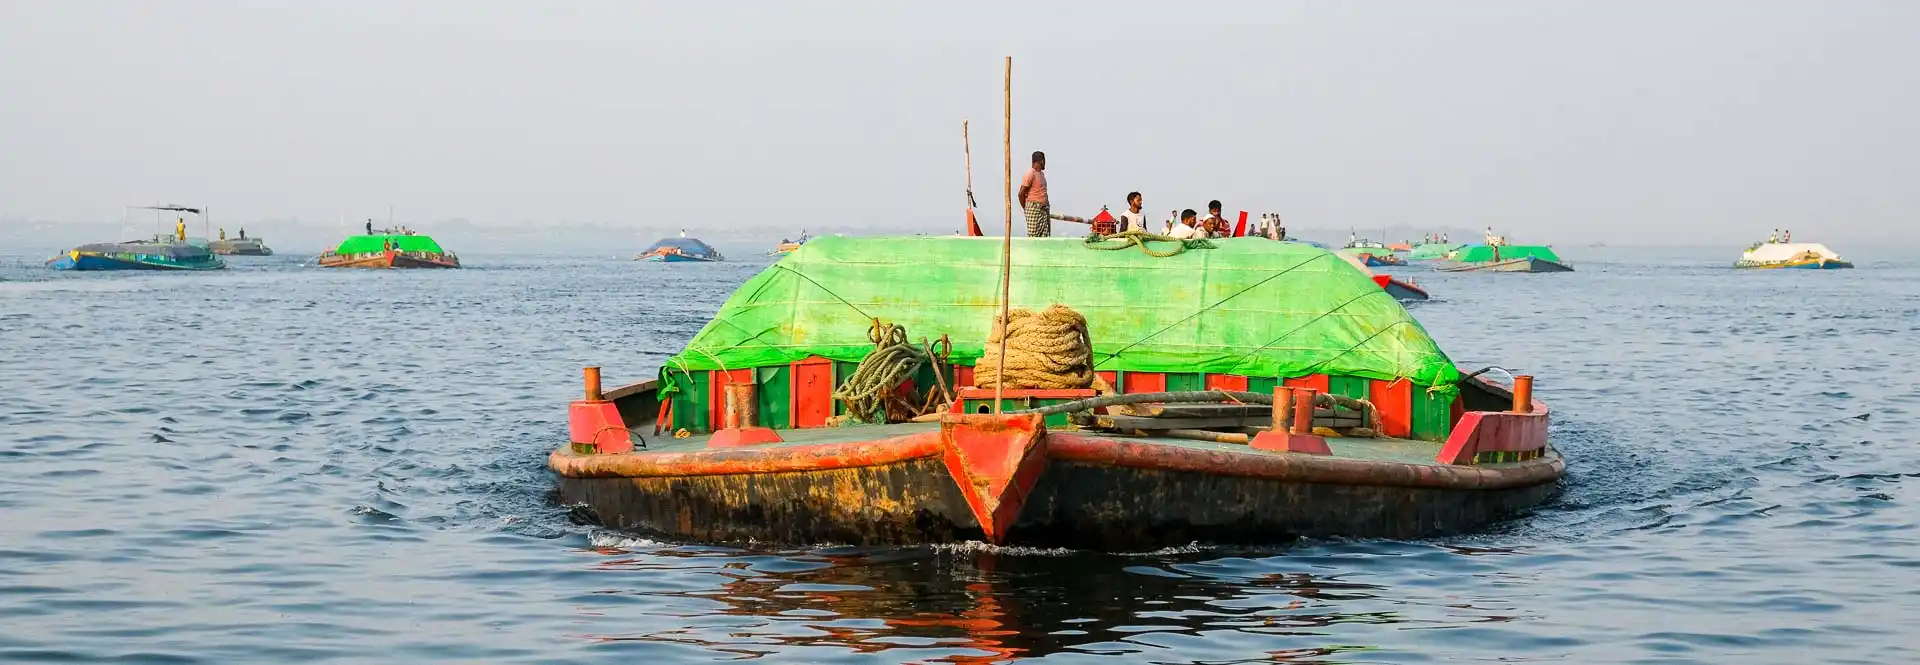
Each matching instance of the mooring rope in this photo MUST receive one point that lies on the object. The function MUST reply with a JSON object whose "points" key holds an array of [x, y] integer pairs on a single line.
{"points": [[1141, 238], [893, 360]]}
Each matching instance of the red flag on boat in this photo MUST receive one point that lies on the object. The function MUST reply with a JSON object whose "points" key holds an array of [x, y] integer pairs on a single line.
{"points": [[1240, 229], [973, 225]]}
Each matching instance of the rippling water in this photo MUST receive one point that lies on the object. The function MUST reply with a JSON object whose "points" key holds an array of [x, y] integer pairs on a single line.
{"points": [[283, 463]]}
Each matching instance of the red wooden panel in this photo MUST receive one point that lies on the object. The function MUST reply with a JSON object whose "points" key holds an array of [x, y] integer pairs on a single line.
{"points": [[1317, 382], [717, 393], [1493, 431], [1394, 399], [962, 376], [1111, 377], [812, 392], [1226, 382], [1145, 382]]}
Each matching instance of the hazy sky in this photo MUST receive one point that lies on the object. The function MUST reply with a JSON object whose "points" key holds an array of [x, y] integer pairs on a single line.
{"points": [[1554, 121]]}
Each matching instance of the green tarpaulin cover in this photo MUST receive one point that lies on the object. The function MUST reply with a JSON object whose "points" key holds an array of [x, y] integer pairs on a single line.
{"points": [[1431, 251], [1483, 253], [1249, 306], [377, 243]]}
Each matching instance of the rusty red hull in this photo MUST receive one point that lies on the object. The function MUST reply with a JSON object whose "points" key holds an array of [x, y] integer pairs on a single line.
{"points": [[389, 260], [1079, 491]]}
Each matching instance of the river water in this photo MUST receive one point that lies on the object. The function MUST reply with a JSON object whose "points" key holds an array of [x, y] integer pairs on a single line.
{"points": [[282, 463]]}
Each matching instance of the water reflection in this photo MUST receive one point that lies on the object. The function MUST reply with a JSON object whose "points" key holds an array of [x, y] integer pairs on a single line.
{"points": [[973, 604]]}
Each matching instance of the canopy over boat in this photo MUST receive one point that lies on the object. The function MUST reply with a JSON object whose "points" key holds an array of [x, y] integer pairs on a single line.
{"points": [[371, 244], [1431, 251], [685, 246], [1247, 307], [1484, 253]]}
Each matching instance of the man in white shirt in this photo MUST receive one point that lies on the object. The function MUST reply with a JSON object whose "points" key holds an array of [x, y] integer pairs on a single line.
{"points": [[1133, 219], [1186, 227]]}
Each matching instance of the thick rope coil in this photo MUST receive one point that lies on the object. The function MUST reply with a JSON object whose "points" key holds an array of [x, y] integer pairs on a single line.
{"points": [[1045, 350], [1141, 238], [868, 394]]}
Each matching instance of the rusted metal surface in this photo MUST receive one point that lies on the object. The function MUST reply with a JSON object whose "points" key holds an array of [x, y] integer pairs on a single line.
{"points": [[994, 460], [597, 427], [592, 375], [1302, 410], [1063, 446], [1522, 394], [777, 459]]}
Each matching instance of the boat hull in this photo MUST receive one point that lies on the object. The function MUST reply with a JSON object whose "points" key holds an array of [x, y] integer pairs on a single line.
{"points": [[1528, 264], [389, 260], [97, 262], [1805, 264], [677, 258], [1404, 291], [232, 248]]}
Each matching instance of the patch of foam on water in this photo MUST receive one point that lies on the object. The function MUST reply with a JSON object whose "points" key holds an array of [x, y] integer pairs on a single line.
{"points": [[977, 547], [620, 541], [1189, 548]]}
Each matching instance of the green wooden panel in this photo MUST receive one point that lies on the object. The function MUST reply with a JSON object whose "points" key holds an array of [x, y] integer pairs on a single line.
{"points": [[690, 405], [842, 370], [1185, 381], [1261, 384], [1350, 386], [1432, 415], [776, 396]]}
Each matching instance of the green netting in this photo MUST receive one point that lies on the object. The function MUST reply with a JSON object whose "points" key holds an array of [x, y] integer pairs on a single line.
{"points": [[1249, 306], [377, 243], [1431, 251], [1483, 253]]}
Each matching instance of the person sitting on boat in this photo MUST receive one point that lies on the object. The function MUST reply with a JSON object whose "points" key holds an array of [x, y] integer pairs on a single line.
{"points": [[1187, 227], [1494, 240], [1133, 219]]}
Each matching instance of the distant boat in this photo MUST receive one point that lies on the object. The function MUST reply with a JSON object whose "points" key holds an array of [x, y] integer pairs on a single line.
{"points": [[1505, 258], [241, 246], [389, 249], [1432, 251], [788, 246], [1374, 258], [1401, 247], [681, 249], [1801, 255], [1403, 290], [165, 251]]}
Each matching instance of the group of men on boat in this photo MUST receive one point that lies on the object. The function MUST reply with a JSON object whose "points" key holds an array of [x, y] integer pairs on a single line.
{"points": [[1778, 236], [1187, 224], [403, 230], [223, 233]]}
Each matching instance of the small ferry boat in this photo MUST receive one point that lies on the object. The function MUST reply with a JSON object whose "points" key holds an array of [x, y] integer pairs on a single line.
{"points": [[1504, 258], [1402, 289], [1374, 258], [163, 251], [854, 393], [1400, 247], [389, 248], [1801, 255], [683, 248], [240, 246]]}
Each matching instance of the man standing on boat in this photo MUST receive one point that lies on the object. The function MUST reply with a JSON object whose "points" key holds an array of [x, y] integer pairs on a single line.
{"points": [[1033, 197], [1133, 219], [180, 228]]}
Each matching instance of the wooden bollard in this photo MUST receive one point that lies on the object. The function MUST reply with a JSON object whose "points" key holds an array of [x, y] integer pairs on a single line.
{"points": [[740, 406], [593, 385], [1523, 394], [1303, 410]]}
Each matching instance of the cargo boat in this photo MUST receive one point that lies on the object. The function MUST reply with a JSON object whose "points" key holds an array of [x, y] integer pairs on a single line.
{"points": [[680, 250], [1796, 255], [240, 246], [733, 441], [1504, 258], [389, 249], [164, 251]]}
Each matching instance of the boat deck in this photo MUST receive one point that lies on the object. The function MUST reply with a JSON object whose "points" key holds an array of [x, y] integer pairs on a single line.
{"points": [[1382, 449]]}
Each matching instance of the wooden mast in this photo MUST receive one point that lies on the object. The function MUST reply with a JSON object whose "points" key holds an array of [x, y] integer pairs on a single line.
{"points": [[1006, 241]]}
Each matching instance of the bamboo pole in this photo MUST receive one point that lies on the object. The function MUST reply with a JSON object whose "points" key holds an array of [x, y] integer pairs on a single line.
{"points": [[968, 147], [1006, 241]]}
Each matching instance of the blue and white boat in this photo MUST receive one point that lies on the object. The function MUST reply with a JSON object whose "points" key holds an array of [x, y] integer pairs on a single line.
{"points": [[174, 251], [683, 248]]}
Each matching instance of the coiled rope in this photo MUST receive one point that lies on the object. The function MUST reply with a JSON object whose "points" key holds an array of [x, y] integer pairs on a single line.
{"points": [[870, 391], [1046, 350], [1125, 239]]}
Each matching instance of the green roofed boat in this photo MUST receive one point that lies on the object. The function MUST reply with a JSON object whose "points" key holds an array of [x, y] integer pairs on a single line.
{"points": [[389, 249], [1432, 251], [1505, 258], [1238, 390]]}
